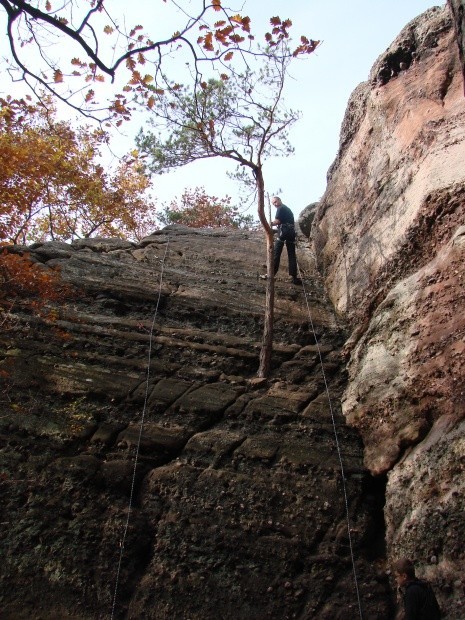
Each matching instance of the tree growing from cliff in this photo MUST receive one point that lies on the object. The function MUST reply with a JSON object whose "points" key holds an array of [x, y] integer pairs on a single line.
{"points": [[52, 185], [85, 54], [197, 209], [240, 117]]}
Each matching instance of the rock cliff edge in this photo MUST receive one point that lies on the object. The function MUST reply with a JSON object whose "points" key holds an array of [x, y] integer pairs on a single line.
{"points": [[390, 240]]}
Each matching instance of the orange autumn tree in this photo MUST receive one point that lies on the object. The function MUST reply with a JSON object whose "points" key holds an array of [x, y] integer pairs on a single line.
{"points": [[197, 209], [53, 187]]}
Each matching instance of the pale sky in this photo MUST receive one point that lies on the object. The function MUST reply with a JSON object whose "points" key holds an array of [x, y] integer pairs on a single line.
{"points": [[353, 34]]}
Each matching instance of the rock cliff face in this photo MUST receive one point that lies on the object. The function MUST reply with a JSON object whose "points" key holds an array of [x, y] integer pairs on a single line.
{"points": [[239, 508], [390, 241], [458, 12], [249, 499]]}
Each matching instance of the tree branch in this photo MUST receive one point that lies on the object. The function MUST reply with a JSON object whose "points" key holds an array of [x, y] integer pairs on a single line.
{"points": [[39, 15]]}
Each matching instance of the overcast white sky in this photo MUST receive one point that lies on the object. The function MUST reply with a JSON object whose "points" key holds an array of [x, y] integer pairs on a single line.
{"points": [[354, 33]]}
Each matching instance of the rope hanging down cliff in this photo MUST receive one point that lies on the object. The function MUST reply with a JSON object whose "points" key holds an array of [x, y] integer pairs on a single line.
{"points": [[141, 427], [147, 382], [341, 464]]}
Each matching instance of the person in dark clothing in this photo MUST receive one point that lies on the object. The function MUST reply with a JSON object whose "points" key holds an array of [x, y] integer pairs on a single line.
{"points": [[418, 597], [284, 220]]}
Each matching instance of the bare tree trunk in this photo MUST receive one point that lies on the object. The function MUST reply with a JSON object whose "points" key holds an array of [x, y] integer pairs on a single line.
{"points": [[267, 341]]}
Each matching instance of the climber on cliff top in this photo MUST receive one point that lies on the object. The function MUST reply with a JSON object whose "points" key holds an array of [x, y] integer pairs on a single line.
{"points": [[284, 220], [418, 597]]}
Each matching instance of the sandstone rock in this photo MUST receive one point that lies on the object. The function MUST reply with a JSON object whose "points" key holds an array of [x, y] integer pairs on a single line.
{"points": [[398, 157], [458, 11], [153, 438], [227, 484], [106, 433], [52, 249], [424, 506], [306, 218], [387, 237], [99, 244], [241, 485]]}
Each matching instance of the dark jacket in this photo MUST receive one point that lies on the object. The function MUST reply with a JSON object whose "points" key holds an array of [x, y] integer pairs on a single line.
{"points": [[286, 227], [420, 602], [284, 215]]}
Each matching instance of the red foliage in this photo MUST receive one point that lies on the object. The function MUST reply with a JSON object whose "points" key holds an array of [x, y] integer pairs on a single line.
{"points": [[199, 210], [32, 285]]}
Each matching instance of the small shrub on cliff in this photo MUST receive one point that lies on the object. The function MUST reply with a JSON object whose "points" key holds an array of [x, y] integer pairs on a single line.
{"points": [[29, 286], [197, 209]]}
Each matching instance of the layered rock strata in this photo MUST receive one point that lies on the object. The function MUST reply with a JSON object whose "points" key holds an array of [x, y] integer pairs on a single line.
{"points": [[390, 240], [239, 508]]}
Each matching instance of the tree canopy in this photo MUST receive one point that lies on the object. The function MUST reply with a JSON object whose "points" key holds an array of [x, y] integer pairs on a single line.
{"points": [[220, 105], [53, 185], [195, 208], [237, 119], [75, 49]]}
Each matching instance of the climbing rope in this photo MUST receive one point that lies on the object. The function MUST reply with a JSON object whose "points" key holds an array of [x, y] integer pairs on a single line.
{"points": [[341, 464], [141, 427]]}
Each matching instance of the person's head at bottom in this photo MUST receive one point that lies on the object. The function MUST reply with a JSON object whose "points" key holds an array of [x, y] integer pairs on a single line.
{"points": [[404, 571]]}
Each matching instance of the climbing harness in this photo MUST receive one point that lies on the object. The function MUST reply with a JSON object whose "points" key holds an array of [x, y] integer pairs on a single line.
{"points": [[341, 464], [141, 427]]}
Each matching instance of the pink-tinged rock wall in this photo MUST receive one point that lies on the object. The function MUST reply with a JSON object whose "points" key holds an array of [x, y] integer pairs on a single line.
{"points": [[390, 239]]}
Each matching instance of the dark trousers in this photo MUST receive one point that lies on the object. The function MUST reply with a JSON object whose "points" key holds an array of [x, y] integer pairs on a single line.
{"points": [[290, 246]]}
